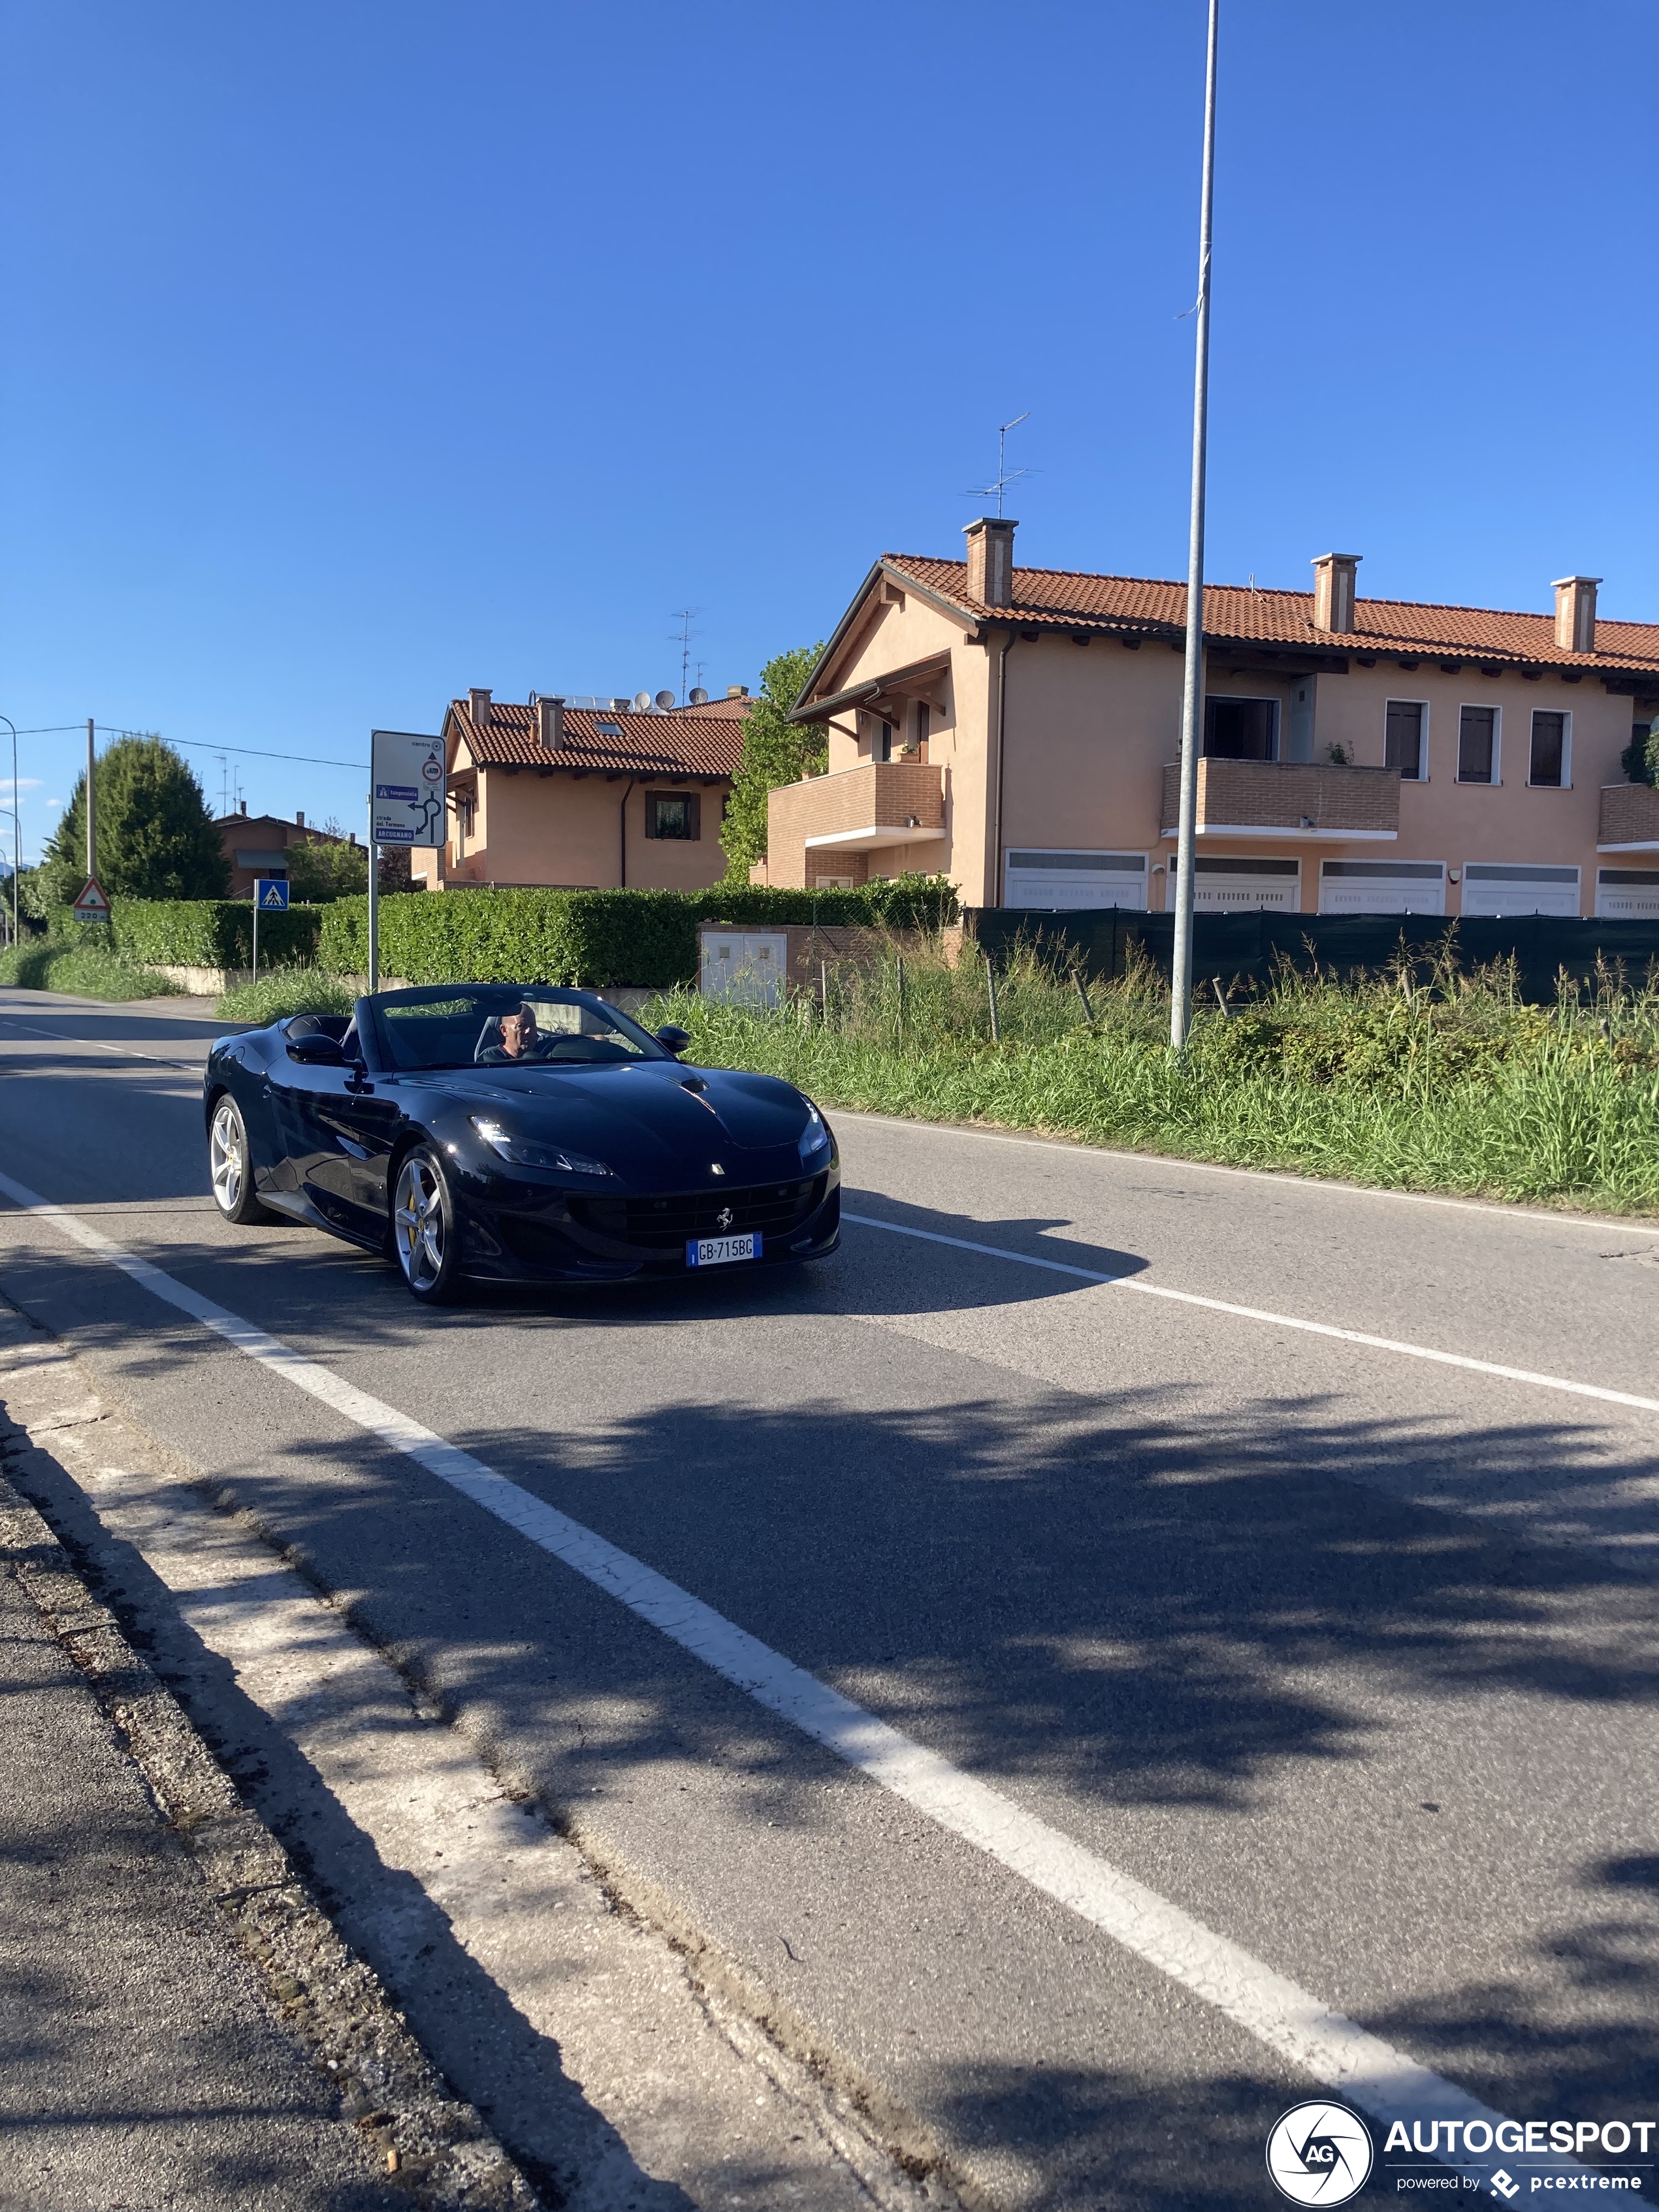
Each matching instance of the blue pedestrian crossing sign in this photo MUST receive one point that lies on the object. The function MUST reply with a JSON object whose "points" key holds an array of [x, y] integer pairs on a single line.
{"points": [[271, 894]]}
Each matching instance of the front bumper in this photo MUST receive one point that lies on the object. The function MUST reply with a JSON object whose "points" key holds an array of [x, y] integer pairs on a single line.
{"points": [[531, 1233]]}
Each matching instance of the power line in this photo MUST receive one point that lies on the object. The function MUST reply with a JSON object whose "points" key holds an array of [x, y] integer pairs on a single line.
{"points": [[191, 744]]}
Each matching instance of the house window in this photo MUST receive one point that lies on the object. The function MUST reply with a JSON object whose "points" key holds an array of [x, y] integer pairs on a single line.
{"points": [[1477, 744], [1550, 736], [1403, 743], [1241, 729], [673, 814], [924, 717], [881, 745]]}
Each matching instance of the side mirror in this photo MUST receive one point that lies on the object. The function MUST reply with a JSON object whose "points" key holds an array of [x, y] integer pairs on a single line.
{"points": [[675, 1038], [316, 1051]]}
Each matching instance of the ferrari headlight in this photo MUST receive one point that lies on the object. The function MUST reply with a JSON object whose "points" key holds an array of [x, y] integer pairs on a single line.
{"points": [[523, 1152], [814, 1137]]}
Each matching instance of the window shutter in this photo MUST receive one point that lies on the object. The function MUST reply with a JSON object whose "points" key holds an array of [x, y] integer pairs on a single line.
{"points": [[695, 809]]}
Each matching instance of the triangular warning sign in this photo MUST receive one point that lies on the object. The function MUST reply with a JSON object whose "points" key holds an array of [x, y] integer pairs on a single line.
{"points": [[274, 895], [92, 905]]}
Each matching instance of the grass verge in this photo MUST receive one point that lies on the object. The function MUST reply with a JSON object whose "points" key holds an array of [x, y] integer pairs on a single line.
{"points": [[283, 991], [1432, 1082], [90, 971]]}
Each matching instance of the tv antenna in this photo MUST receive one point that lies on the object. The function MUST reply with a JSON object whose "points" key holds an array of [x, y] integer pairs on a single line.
{"points": [[1005, 475], [683, 637]]}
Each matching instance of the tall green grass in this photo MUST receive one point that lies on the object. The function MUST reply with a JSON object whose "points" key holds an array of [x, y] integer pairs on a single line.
{"points": [[1409, 1081], [283, 991], [88, 971]]}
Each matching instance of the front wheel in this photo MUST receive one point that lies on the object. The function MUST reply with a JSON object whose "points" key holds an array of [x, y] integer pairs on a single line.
{"points": [[423, 1231], [230, 1165]]}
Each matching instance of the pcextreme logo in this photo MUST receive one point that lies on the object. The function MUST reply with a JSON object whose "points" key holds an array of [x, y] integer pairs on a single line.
{"points": [[1320, 2153]]}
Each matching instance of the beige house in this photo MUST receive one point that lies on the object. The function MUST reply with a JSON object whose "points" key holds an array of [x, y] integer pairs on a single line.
{"points": [[585, 798], [1018, 729]]}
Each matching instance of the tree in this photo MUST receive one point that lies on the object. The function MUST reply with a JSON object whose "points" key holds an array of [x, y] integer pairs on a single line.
{"points": [[774, 751], [1641, 755], [320, 872], [155, 836]]}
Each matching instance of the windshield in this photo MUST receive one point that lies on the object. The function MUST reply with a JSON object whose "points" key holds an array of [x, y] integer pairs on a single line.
{"points": [[506, 1025]]}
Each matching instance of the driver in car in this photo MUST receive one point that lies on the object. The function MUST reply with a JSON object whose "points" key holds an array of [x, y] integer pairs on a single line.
{"points": [[521, 1040]]}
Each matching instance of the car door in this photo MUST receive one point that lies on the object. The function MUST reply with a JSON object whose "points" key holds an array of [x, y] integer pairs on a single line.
{"points": [[350, 1119]]}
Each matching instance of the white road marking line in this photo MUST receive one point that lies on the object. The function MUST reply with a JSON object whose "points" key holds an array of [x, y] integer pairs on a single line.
{"points": [[155, 1059], [1324, 2044], [1281, 1178], [1275, 1320]]}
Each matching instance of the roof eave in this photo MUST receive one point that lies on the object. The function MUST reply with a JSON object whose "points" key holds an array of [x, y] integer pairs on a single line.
{"points": [[938, 600]]}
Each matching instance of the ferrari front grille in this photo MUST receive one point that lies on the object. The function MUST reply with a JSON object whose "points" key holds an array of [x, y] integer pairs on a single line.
{"points": [[663, 1225]]}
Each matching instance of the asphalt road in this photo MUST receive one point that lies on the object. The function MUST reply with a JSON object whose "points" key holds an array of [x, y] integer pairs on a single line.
{"points": [[1344, 1654]]}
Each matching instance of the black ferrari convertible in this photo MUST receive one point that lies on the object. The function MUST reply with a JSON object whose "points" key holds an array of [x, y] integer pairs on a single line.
{"points": [[493, 1132]]}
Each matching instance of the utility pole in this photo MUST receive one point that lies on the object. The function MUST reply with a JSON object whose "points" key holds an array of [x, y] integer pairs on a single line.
{"points": [[92, 817], [16, 828], [1181, 977]]}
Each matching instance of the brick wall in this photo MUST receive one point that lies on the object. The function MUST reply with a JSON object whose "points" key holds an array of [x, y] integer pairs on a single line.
{"points": [[1277, 795], [878, 794], [1629, 815]]}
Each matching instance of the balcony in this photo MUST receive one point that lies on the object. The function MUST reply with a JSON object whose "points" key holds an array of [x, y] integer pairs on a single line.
{"points": [[830, 823], [1287, 798], [1630, 818]]}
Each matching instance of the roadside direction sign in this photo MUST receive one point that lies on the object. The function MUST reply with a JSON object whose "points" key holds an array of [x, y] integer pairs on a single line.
{"points": [[92, 905], [270, 893], [407, 775]]}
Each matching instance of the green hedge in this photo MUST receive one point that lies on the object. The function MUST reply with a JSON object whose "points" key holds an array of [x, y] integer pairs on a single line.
{"points": [[599, 937], [210, 932]]}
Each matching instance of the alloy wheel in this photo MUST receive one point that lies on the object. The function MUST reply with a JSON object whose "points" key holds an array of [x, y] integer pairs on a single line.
{"points": [[228, 1156], [417, 1223]]}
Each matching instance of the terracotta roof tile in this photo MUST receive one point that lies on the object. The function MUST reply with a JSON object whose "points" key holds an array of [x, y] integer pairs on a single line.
{"points": [[1061, 599], [620, 743], [738, 710]]}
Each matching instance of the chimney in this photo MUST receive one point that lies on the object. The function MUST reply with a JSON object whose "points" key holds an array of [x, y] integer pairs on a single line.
{"points": [[549, 722], [1333, 583], [1575, 613], [298, 819], [243, 806], [991, 560], [477, 705], [737, 691]]}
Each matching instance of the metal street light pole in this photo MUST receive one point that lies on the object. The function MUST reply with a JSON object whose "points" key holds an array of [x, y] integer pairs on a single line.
{"points": [[1181, 995], [16, 835]]}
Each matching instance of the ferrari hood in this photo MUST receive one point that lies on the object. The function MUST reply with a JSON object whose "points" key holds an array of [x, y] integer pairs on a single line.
{"points": [[612, 1109]]}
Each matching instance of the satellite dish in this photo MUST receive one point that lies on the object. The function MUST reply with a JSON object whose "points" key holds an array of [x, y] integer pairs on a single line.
{"points": [[664, 699], [699, 697], [643, 701]]}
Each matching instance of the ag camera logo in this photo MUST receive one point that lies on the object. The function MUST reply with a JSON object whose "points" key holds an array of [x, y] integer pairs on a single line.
{"points": [[1320, 2153]]}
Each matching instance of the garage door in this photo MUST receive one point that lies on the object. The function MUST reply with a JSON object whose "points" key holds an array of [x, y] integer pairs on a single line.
{"points": [[1381, 887], [1493, 887], [1047, 878], [1627, 895], [1228, 884]]}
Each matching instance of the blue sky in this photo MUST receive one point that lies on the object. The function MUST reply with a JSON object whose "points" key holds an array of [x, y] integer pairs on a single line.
{"points": [[357, 353]]}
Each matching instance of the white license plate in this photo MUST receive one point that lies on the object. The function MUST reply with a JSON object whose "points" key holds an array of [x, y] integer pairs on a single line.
{"points": [[716, 1251]]}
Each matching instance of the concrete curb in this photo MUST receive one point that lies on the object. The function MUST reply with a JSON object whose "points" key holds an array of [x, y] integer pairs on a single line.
{"points": [[330, 2002]]}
